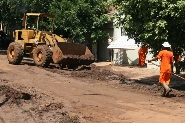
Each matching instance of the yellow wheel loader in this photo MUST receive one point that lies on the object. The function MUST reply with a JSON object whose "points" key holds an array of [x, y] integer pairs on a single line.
{"points": [[37, 41]]}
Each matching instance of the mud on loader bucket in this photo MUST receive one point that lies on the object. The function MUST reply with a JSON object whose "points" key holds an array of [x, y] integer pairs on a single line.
{"points": [[72, 54]]}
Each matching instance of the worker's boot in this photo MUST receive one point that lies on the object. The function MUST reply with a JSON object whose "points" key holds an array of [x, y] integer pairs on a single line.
{"points": [[167, 89], [164, 92]]}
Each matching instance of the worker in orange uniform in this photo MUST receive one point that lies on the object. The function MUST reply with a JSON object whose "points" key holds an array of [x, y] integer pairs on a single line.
{"points": [[166, 57], [142, 52], [177, 57]]}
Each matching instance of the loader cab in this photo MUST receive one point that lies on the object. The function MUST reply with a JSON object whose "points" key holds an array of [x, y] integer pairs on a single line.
{"points": [[39, 22]]}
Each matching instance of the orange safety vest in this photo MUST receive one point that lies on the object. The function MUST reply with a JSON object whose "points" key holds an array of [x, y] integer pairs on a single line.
{"points": [[142, 55], [166, 60]]}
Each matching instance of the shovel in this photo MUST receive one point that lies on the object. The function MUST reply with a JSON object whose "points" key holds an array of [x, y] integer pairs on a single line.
{"points": [[172, 73]]}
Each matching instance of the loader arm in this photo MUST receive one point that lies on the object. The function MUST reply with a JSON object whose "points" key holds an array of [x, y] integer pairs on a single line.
{"points": [[59, 39], [50, 39]]}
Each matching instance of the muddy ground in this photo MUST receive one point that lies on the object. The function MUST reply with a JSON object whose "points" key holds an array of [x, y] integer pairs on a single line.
{"points": [[148, 85], [95, 93]]}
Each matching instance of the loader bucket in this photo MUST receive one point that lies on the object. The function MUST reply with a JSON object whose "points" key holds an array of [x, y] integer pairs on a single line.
{"points": [[72, 53]]}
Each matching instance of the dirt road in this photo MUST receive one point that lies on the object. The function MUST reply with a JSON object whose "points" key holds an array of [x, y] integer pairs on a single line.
{"points": [[102, 94]]}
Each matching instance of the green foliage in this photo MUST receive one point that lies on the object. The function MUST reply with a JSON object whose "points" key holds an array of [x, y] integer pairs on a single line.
{"points": [[80, 17], [10, 12], [153, 21]]}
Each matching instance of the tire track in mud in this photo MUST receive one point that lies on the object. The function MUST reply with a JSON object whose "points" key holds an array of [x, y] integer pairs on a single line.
{"points": [[1, 79]]}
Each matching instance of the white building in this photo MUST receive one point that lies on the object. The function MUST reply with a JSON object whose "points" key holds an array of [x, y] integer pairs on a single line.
{"points": [[125, 50]]}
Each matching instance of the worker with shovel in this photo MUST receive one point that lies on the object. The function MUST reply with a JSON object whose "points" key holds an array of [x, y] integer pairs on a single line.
{"points": [[177, 58], [142, 55], [166, 57]]}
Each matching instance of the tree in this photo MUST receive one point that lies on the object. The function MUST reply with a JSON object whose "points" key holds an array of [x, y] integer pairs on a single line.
{"points": [[82, 19], [153, 21], [12, 11]]}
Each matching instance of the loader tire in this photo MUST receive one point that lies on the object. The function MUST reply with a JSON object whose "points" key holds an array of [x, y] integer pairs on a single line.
{"points": [[42, 56], [15, 53]]}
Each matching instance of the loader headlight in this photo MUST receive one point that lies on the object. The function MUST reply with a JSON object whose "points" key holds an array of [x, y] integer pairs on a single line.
{"points": [[36, 41]]}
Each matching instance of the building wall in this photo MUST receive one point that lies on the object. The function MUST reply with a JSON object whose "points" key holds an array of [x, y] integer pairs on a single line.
{"points": [[130, 57], [150, 65], [122, 56]]}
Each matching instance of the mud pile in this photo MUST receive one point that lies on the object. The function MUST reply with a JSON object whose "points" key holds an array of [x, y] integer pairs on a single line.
{"points": [[93, 72], [98, 73], [38, 105], [12, 96], [155, 90]]}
